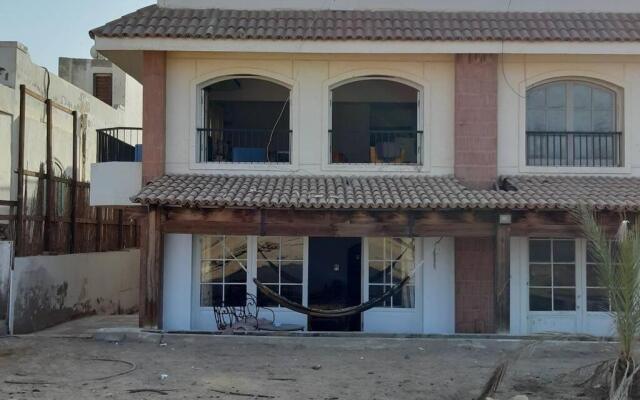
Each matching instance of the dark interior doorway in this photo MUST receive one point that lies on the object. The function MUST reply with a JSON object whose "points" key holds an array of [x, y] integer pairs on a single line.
{"points": [[335, 281]]}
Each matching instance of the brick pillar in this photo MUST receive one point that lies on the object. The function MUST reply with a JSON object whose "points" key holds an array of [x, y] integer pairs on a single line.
{"points": [[476, 119], [153, 114], [474, 259]]}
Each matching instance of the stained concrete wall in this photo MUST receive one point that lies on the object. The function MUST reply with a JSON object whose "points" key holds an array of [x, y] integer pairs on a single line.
{"points": [[6, 254], [48, 290]]}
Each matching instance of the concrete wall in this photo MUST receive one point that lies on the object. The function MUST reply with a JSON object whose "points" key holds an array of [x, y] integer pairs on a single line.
{"points": [[6, 261], [127, 92], [48, 290], [310, 79]]}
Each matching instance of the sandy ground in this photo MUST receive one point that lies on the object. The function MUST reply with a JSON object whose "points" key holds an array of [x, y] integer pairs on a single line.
{"points": [[318, 368]]}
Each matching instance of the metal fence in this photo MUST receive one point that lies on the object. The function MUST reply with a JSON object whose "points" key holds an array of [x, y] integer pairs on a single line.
{"points": [[243, 145], [574, 149], [119, 144]]}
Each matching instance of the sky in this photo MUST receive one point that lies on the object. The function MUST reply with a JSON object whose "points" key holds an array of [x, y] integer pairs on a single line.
{"points": [[59, 28]]}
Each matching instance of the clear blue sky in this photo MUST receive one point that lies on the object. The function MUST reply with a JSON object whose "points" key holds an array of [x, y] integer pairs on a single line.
{"points": [[59, 28]]}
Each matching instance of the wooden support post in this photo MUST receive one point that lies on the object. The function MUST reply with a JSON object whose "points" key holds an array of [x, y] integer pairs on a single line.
{"points": [[50, 185], [151, 272], [98, 229], [74, 186], [502, 275], [120, 229], [19, 228]]}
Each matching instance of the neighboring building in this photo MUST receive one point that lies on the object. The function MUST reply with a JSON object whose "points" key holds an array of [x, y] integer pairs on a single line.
{"points": [[63, 247], [107, 82], [329, 153]]}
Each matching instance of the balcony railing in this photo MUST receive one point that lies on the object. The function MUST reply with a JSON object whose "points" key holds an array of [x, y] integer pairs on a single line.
{"points": [[574, 149], [385, 146], [243, 145], [119, 144]]}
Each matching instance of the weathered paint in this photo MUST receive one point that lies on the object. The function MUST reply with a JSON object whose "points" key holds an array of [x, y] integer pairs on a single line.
{"points": [[48, 290]]}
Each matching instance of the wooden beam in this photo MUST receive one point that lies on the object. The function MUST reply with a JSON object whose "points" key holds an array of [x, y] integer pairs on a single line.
{"points": [[99, 224], [501, 278], [50, 185], [19, 229], [74, 185], [151, 283]]}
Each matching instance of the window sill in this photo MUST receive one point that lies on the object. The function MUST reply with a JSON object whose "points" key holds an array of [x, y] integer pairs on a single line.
{"points": [[234, 166], [361, 167], [576, 170]]}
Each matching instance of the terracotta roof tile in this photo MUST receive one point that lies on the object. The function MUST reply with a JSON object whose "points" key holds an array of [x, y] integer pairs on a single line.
{"points": [[156, 22], [390, 192]]}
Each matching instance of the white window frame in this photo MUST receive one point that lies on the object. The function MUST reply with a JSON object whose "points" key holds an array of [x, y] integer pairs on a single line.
{"points": [[303, 284]]}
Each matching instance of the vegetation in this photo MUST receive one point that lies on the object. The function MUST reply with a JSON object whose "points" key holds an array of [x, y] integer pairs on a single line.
{"points": [[618, 260]]}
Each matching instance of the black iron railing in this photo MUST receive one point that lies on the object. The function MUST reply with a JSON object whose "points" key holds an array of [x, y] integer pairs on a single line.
{"points": [[574, 149], [119, 144], [385, 146], [243, 145]]}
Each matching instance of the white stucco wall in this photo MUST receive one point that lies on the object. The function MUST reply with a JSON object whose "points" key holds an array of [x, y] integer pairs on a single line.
{"points": [[310, 78], [47, 290], [519, 72], [116, 183]]}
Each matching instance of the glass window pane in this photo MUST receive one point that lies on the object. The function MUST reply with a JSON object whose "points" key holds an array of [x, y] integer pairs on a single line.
{"points": [[292, 248], [376, 249], [536, 98], [211, 271], [402, 249], [210, 295], [540, 250], [236, 247], [292, 292], [376, 291], [593, 276], [603, 99], [264, 301], [376, 269], [564, 299], [539, 299], [556, 95], [564, 251], [268, 248], [564, 275], [405, 298], [212, 247], [540, 275], [235, 295], [291, 272], [234, 272], [536, 120], [268, 272], [556, 120], [400, 271], [603, 121], [581, 96], [582, 121], [597, 300]]}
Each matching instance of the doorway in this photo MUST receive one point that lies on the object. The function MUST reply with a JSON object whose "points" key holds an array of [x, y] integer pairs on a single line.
{"points": [[335, 281]]}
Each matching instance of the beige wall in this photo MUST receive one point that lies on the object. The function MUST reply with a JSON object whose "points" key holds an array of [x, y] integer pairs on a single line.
{"points": [[310, 78], [519, 72]]}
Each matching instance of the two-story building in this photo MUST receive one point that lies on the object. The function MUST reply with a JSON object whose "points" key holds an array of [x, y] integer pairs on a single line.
{"points": [[331, 149]]}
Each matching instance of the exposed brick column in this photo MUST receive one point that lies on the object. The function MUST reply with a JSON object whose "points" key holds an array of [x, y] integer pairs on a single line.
{"points": [[153, 114], [476, 119], [474, 258], [476, 155]]}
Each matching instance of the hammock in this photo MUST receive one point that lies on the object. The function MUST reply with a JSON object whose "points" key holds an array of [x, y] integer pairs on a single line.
{"points": [[341, 312]]}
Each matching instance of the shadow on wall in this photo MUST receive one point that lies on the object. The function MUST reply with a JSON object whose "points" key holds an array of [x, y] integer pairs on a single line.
{"points": [[49, 290]]}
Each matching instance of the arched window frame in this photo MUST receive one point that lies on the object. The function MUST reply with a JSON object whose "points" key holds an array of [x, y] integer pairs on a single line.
{"points": [[420, 123], [617, 134], [198, 86]]}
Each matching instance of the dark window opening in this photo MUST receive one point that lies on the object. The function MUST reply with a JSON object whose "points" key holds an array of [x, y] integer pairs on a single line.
{"points": [[375, 121], [244, 120], [103, 87]]}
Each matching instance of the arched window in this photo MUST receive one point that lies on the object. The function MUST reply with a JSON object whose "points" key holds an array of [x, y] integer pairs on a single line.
{"points": [[573, 123], [375, 120], [243, 120]]}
